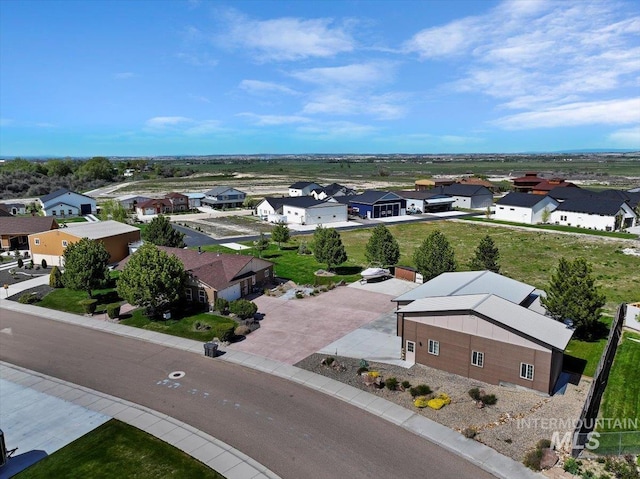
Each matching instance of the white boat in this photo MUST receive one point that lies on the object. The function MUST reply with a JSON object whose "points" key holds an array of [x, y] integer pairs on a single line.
{"points": [[374, 273]]}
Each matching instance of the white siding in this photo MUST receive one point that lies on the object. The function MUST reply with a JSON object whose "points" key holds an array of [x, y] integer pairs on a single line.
{"points": [[321, 214], [231, 293]]}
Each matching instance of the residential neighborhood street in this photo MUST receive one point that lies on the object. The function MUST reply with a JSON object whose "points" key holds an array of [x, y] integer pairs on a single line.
{"points": [[293, 430]]}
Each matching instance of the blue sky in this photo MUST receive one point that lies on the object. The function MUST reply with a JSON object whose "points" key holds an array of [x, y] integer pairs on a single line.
{"points": [[145, 77]]}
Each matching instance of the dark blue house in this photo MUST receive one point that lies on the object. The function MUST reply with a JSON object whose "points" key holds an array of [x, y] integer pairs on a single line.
{"points": [[377, 204]]}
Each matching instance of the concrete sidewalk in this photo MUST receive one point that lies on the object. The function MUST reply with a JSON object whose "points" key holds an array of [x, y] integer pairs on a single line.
{"points": [[473, 451]]}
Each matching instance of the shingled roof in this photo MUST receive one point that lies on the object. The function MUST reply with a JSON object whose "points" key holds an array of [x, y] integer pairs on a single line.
{"points": [[524, 200], [589, 206], [26, 225]]}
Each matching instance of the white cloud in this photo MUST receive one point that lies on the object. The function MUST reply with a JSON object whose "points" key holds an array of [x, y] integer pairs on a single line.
{"points": [[384, 107], [181, 125], [613, 112], [352, 75], [197, 59], [627, 137], [167, 121], [543, 57], [274, 120], [285, 39], [258, 87], [124, 75], [199, 98], [337, 130]]}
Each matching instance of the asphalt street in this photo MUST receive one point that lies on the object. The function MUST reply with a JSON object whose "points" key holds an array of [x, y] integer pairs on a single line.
{"points": [[293, 430]]}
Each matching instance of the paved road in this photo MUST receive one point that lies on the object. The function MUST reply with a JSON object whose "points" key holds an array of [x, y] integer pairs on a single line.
{"points": [[293, 430]]}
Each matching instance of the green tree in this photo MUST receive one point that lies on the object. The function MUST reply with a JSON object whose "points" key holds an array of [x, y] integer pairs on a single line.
{"points": [[328, 247], [152, 279], [113, 210], [280, 234], [382, 248], [546, 214], [55, 278], [243, 308], [250, 203], [261, 244], [572, 294], [434, 256], [97, 168], [85, 265], [160, 233], [486, 256]]}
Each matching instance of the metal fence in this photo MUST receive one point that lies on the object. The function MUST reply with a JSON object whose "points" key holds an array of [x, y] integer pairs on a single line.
{"points": [[616, 443], [589, 413]]}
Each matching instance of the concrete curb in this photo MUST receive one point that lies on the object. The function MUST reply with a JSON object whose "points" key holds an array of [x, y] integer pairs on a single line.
{"points": [[470, 450]]}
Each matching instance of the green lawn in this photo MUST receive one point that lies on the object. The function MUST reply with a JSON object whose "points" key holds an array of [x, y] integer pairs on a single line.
{"points": [[115, 450], [64, 299], [621, 399], [79, 219], [200, 327]]}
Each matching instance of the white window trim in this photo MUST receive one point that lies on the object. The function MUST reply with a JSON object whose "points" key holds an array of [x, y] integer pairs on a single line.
{"points": [[411, 347], [526, 368], [188, 294], [434, 347], [36, 241], [202, 296], [65, 243], [477, 359]]}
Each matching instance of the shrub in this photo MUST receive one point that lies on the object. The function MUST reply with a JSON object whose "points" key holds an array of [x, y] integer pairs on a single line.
{"points": [[43, 263], [20, 263], [439, 402], [406, 384], [543, 444], [303, 249], [532, 459], [113, 310], [421, 402], [361, 370], [55, 278], [373, 374], [420, 390], [242, 330], [88, 305], [469, 432], [224, 331], [329, 360], [475, 394], [221, 305], [489, 399], [571, 466], [391, 384], [28, 298], [242, 308]]}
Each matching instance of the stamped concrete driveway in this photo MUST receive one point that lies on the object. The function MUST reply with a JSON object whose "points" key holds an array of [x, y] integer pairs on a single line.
{"points": [[292, 329]]}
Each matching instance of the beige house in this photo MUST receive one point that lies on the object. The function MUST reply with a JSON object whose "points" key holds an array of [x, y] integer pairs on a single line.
{"points": [[116, 236], [15, 230]]}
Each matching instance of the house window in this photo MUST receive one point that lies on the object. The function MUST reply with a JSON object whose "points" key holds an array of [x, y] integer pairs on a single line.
{"points": [[477, 359], [526, 371], [36, 241], [267, 273], [202, 296], [410, 346], [500, 207], [434, 347], [512, 209], [64, 243], [70, 212], [188, 294], [563, 218], [53, 213], [253, 280]]}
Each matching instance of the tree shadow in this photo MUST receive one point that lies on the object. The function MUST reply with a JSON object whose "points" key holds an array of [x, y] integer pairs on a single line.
{"points": [[573, 365], [597, 332], [275, 254], [347, 270], [107, 298]]}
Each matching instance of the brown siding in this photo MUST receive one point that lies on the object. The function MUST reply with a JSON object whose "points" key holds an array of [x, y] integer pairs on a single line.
{"points": [[406, 274], [501, 360], [118, 246]]}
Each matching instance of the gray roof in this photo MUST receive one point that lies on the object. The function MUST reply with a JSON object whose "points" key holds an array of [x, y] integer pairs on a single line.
{"points": [[301, 201], [370, 197], [62, 191], [98, 230], [524, 322], [470, 282], [218, 190], [298, 185], [592, 205], [459, 189]]}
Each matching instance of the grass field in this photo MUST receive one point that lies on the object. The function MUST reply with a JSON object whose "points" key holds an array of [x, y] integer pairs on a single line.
{"points": [[565, 229], [64, 299], [115, 450]]}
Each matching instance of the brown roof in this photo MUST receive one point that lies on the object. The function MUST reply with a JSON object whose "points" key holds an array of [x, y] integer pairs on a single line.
{"points": [[217, 270], [548, 185], [154, 202], [476, 181], [26, 225], [173, 194]]}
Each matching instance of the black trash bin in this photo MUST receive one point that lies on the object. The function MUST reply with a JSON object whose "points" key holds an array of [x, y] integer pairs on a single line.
{"points": [[210, 350]]}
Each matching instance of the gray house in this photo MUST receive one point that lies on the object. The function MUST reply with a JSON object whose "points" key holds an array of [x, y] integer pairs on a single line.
{"points": [[223, 197], [474, 197]]}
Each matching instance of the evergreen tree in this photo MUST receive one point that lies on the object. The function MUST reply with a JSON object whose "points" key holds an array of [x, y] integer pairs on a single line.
{"points": [[85, 265], [152, 279], [328, 247], [261, 244], [160, 233], [55, 278], [434, 256], [382, 248], [486, 256], [113, 210], [572, 294], [280, 234]]}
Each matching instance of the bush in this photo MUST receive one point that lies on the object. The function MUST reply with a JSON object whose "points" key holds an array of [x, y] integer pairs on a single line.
{"points": [[361, 370], [420, 390], [55, 278], [224, 331], [329, 360], [221, 305], [20, 263], [469, 432], [242, 308], [543, 444], [532, 459], [113, 310], [373, 374], [439, 402], [242, 330], [28, 298], [421, 402], [571, 466], [475, 394], [406, 384], [43, 263], [489, 399], [391, 384], [88, 305]]}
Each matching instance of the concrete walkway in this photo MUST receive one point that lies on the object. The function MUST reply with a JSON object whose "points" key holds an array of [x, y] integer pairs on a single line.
{"points": [[479, 454]]}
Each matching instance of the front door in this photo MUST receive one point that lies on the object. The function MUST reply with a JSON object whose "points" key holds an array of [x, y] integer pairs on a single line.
{"points": [[410, 355]]}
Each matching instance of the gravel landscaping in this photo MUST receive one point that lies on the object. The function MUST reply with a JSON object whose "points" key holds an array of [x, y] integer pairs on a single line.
{"points": [[512, 426]]}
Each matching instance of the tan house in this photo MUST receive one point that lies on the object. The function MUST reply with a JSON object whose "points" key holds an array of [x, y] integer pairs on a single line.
{"points": [[115, 236], [15, 230], [483, 326], [217, 275]]}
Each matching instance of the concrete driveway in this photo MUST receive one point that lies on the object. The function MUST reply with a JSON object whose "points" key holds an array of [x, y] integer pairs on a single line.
{"points": [[293, 329]]}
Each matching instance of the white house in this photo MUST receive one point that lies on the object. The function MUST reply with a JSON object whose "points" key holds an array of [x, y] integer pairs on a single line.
{"points": [[331, 191], [269, 206], [309, 211], [63, 202], [469, 196], [303, 188], [16, 208], [223, 197], [524, 208], [597, 214], [195, 199]]}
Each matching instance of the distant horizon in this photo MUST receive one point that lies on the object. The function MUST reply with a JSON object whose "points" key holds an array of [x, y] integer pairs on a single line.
{"points": [[195, 78]]}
